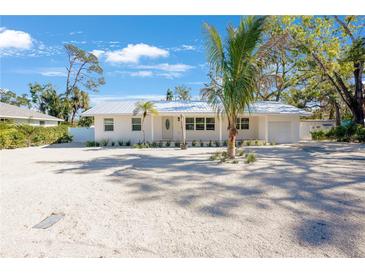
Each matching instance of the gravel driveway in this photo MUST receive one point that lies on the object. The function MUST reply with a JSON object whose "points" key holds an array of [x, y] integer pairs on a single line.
{"points": [[305, 200]]}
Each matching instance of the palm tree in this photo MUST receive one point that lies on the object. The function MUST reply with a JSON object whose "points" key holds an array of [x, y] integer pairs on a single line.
{"points": [[233, 70], [146, 108], [169, 95]]}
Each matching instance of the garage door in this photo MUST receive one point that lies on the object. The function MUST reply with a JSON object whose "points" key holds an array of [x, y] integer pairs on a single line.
{"points": [[280, 132]]}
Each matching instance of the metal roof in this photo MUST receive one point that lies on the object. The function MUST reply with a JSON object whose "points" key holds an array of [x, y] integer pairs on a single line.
{"points": [[127, 107], [10, 111]]}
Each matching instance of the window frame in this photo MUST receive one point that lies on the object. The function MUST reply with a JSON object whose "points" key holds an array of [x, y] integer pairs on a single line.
{"points": [[189, 123], [136, 124], [42, 123], [243, 123], [108, 124], [200, 123], [211, 123]]}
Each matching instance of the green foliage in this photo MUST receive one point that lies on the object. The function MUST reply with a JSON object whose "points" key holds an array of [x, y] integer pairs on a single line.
{"points": [[250, 158], [113, 143], [154, 144], [194, 143], [120, 143], [177, 144], [240, 153], [160, 144], [92, 144], [318, 135], [201, 143], [85, 122], [217, 143], [141, 145], [168, 144], [128, 143], [169, 95], [248, 143], [210, 143], [225, 143], [182, 93], [346, 133], [13, 136], [104, 142], [9, 97]]}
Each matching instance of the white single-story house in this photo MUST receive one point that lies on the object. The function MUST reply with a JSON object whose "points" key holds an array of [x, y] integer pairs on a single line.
{"points": [[20, 115], [264, 120]]}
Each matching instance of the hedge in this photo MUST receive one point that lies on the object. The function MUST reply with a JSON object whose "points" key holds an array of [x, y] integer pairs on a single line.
{"points": [[347, 133], [14, 136]]}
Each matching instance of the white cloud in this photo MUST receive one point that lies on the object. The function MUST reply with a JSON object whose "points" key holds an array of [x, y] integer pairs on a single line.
{"points": [[44, 71], [75, 32], [133, 52], [98, 53], [167, 67], [53, 73], [184, 48], [14, 39], [142, 73]]}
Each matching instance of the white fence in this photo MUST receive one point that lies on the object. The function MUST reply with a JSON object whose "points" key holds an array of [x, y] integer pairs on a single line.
{"points": [[306, 126], [82, 134]]}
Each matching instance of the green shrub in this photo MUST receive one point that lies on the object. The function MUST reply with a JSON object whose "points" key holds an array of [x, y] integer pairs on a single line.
{"points": [[347, 133], [256, 142], [91, 144], [168, 143], [12, 138], [240, 153], [235, 162], [177, 144], [360, 134], [210, 143], [154, 144], [113, 143], [104, 142], [120, 143], [248, 143], [194, 143], [318, 135], [201, 143], [217, 143], [160, 144], [128, 143], [225, 143], [13, 134], [250, 158]]}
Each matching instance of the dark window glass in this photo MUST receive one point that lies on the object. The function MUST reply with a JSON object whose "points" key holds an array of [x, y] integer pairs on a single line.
{"points": [[189, 123], [109, 124], [136, 124], [199, 123], [210, 124]]}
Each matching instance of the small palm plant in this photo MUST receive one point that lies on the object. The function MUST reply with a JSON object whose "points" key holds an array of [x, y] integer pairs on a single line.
{"points": [[234, 70], [145, 108]]}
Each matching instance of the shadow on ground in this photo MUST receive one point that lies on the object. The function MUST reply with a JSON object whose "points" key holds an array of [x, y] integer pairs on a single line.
{"points": [[311, 181]]}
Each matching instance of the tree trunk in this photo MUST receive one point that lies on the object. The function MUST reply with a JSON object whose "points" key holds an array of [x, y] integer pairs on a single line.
{"points": [[358, 110], [338, 114], [231, 149]]}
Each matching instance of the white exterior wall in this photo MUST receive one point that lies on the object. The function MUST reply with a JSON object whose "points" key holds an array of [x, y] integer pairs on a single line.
{"points": [[258, 129], [34, 122], [306, 126]]}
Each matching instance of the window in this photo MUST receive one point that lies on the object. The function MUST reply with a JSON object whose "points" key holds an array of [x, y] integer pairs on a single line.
{"points": [[41, 123], [210, 123], [199, 123], [136, 124], [108, 124], [189, 123], [242, 123]]}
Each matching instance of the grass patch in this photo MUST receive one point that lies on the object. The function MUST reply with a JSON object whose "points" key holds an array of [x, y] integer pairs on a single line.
{"points": [[250, 158]]}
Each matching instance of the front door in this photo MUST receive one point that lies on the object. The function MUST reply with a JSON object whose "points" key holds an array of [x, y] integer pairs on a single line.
{"points": [[167, 128]]}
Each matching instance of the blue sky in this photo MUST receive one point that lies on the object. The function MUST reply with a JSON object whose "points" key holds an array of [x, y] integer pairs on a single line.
{"points": [[142, 56]]}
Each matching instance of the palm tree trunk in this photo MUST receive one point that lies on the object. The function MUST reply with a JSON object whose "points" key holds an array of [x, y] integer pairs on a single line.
{"points": [[231, 149]]}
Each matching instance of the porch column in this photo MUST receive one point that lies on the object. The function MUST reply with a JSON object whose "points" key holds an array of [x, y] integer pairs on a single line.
{"points": [[220, 127], [266, 129], [152, 133]]}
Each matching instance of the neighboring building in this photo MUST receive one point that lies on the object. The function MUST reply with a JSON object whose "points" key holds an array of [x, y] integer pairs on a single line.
{"points": [[266, 120], [307, 126], [20, 115]]}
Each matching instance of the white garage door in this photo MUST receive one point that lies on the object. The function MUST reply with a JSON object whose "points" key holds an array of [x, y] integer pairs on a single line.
{"points": [[280, 132]]}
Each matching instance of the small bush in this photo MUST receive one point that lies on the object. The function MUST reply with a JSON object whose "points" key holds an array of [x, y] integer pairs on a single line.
{"points": [[256, 142], [168, 143], [240, 153], [194, 143], [12, 138], [250, 158], [360, 134], [160, 144], [225, 143], [201, 143], [239, 143], [210, 143], [120, 143], [235, 162], [248, 143], [318, 135], [177, 144], [104, 142], [217, 143], [273, 143], [128, 143], [90, 143], [154, 144], [113, 143]]}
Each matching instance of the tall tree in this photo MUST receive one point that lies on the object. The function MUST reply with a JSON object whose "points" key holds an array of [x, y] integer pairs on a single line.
{"points": [[234, 70], [79, 100], [83, 70], [145, 108], [182, 93], [337, 49], [46, 99], [9, 97], [169, 95]]}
